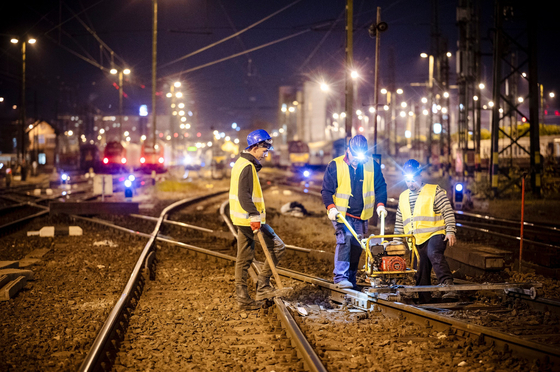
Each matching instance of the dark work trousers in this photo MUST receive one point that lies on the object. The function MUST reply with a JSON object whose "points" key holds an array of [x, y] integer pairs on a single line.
{"points": [[348, 250], [246, 252], [431, 254]]}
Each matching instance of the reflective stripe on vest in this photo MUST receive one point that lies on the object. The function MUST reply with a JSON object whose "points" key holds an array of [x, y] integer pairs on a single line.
{"points": [[424, 222], [238, 215], [344, 188]]}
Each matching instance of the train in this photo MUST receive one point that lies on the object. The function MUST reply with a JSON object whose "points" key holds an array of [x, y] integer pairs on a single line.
{"points": [[114, 158], [300, 156], [152, 159]]}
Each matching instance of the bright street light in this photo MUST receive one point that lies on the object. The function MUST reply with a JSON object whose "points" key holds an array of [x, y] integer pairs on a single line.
{"points": [[354, 74], [551, 94], [324, 87], [177, 84], [481, 86], [400, 91], [424, 100], [424, 55], [372, 109], [383, 91]]}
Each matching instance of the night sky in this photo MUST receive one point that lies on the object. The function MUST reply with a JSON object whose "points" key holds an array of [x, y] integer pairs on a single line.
{"points": [[243, 89]]}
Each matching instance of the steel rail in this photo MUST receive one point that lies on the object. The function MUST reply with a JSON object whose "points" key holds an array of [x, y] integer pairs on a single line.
{"points": [[99, 354], [171, 222], [513, 237]]}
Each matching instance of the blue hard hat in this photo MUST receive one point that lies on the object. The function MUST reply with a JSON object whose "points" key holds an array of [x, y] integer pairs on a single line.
{"points": [[358, 145], [258, 136], [411, 167]]}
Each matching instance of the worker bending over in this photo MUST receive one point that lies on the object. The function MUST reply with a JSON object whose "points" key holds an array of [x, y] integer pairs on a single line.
{"points": [[425, 211], [353, 185], [248, 213]]}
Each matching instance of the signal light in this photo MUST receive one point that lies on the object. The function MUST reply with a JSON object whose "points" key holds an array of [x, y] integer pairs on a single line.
{"points": [[458, 196], [123, 160], [105, 161]]}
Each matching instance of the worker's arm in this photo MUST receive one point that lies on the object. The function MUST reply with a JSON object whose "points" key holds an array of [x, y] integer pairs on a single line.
{"points": [[399, 227], [442, 206], [330, 184], [380, 185], [245, 192]]}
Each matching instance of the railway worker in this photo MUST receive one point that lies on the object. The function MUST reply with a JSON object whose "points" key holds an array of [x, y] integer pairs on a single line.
{"points": [[353, 185], [247, 212], [425, 211]]}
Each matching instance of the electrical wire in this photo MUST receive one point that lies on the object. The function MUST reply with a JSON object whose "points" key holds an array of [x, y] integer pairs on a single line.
{"points": [[178, 74], [231, 36]]}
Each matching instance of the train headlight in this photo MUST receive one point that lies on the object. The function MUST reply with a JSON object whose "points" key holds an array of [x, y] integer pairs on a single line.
{"points": [[105, 161], [459, 187], [64, 177], [142, 160], [127, 183], [123, 160], [161, 160], [306, 173], [131, 178]]}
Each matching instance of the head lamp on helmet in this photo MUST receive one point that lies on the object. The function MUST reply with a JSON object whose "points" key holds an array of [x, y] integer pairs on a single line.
{"points": [[411, 169], [358, 147]]}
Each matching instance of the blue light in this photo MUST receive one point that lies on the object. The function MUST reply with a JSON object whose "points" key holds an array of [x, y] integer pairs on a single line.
{"points": [[306, 191], [306, 173], [64, 176], [459, 187], [143, 110]]}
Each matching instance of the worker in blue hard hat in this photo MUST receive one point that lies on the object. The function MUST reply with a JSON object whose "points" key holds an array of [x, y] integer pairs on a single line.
{"points": [[248, 213], [425, 211], [354, 186]]}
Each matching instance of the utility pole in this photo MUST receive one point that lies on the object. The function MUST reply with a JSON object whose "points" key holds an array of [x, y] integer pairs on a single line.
{"points": [[22, 111], [375, 30], [349, 65], [154, 69]]}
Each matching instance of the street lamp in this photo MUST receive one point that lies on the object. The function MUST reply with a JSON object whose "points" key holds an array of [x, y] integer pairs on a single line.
{"points": [[22, 104], [120, 72]]}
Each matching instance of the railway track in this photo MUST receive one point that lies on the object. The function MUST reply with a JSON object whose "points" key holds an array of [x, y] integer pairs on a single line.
{"points": [[372, 326], [455, 329]]}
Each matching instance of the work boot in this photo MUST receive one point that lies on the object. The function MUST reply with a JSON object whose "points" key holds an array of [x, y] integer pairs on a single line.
{"points": [[449, 295], [244, 301], [345, 284], [265, 290]]}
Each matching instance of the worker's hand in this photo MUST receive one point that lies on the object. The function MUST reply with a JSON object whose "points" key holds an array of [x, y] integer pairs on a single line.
{"points": [[332, 213], [451, 238], [381, 211], [256, 223]]}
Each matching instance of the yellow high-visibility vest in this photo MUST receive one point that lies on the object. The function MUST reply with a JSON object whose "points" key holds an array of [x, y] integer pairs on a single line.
{"points": [[424, 222], [239, 216], [344, 188]]}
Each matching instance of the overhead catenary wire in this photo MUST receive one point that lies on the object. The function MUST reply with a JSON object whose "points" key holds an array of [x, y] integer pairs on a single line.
{"points": [[235, 55], [231, 36]]}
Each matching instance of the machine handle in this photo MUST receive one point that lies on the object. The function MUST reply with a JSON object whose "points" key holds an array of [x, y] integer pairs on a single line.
{"points": [[350, 229]]}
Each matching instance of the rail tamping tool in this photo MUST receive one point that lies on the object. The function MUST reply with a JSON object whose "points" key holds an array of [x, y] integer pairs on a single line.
{"points": [[385, 260]]}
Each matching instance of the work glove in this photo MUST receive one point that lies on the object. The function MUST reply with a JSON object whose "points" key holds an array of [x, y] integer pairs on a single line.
{"points": [[256, 223], [332, 213], [381, 211]]}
